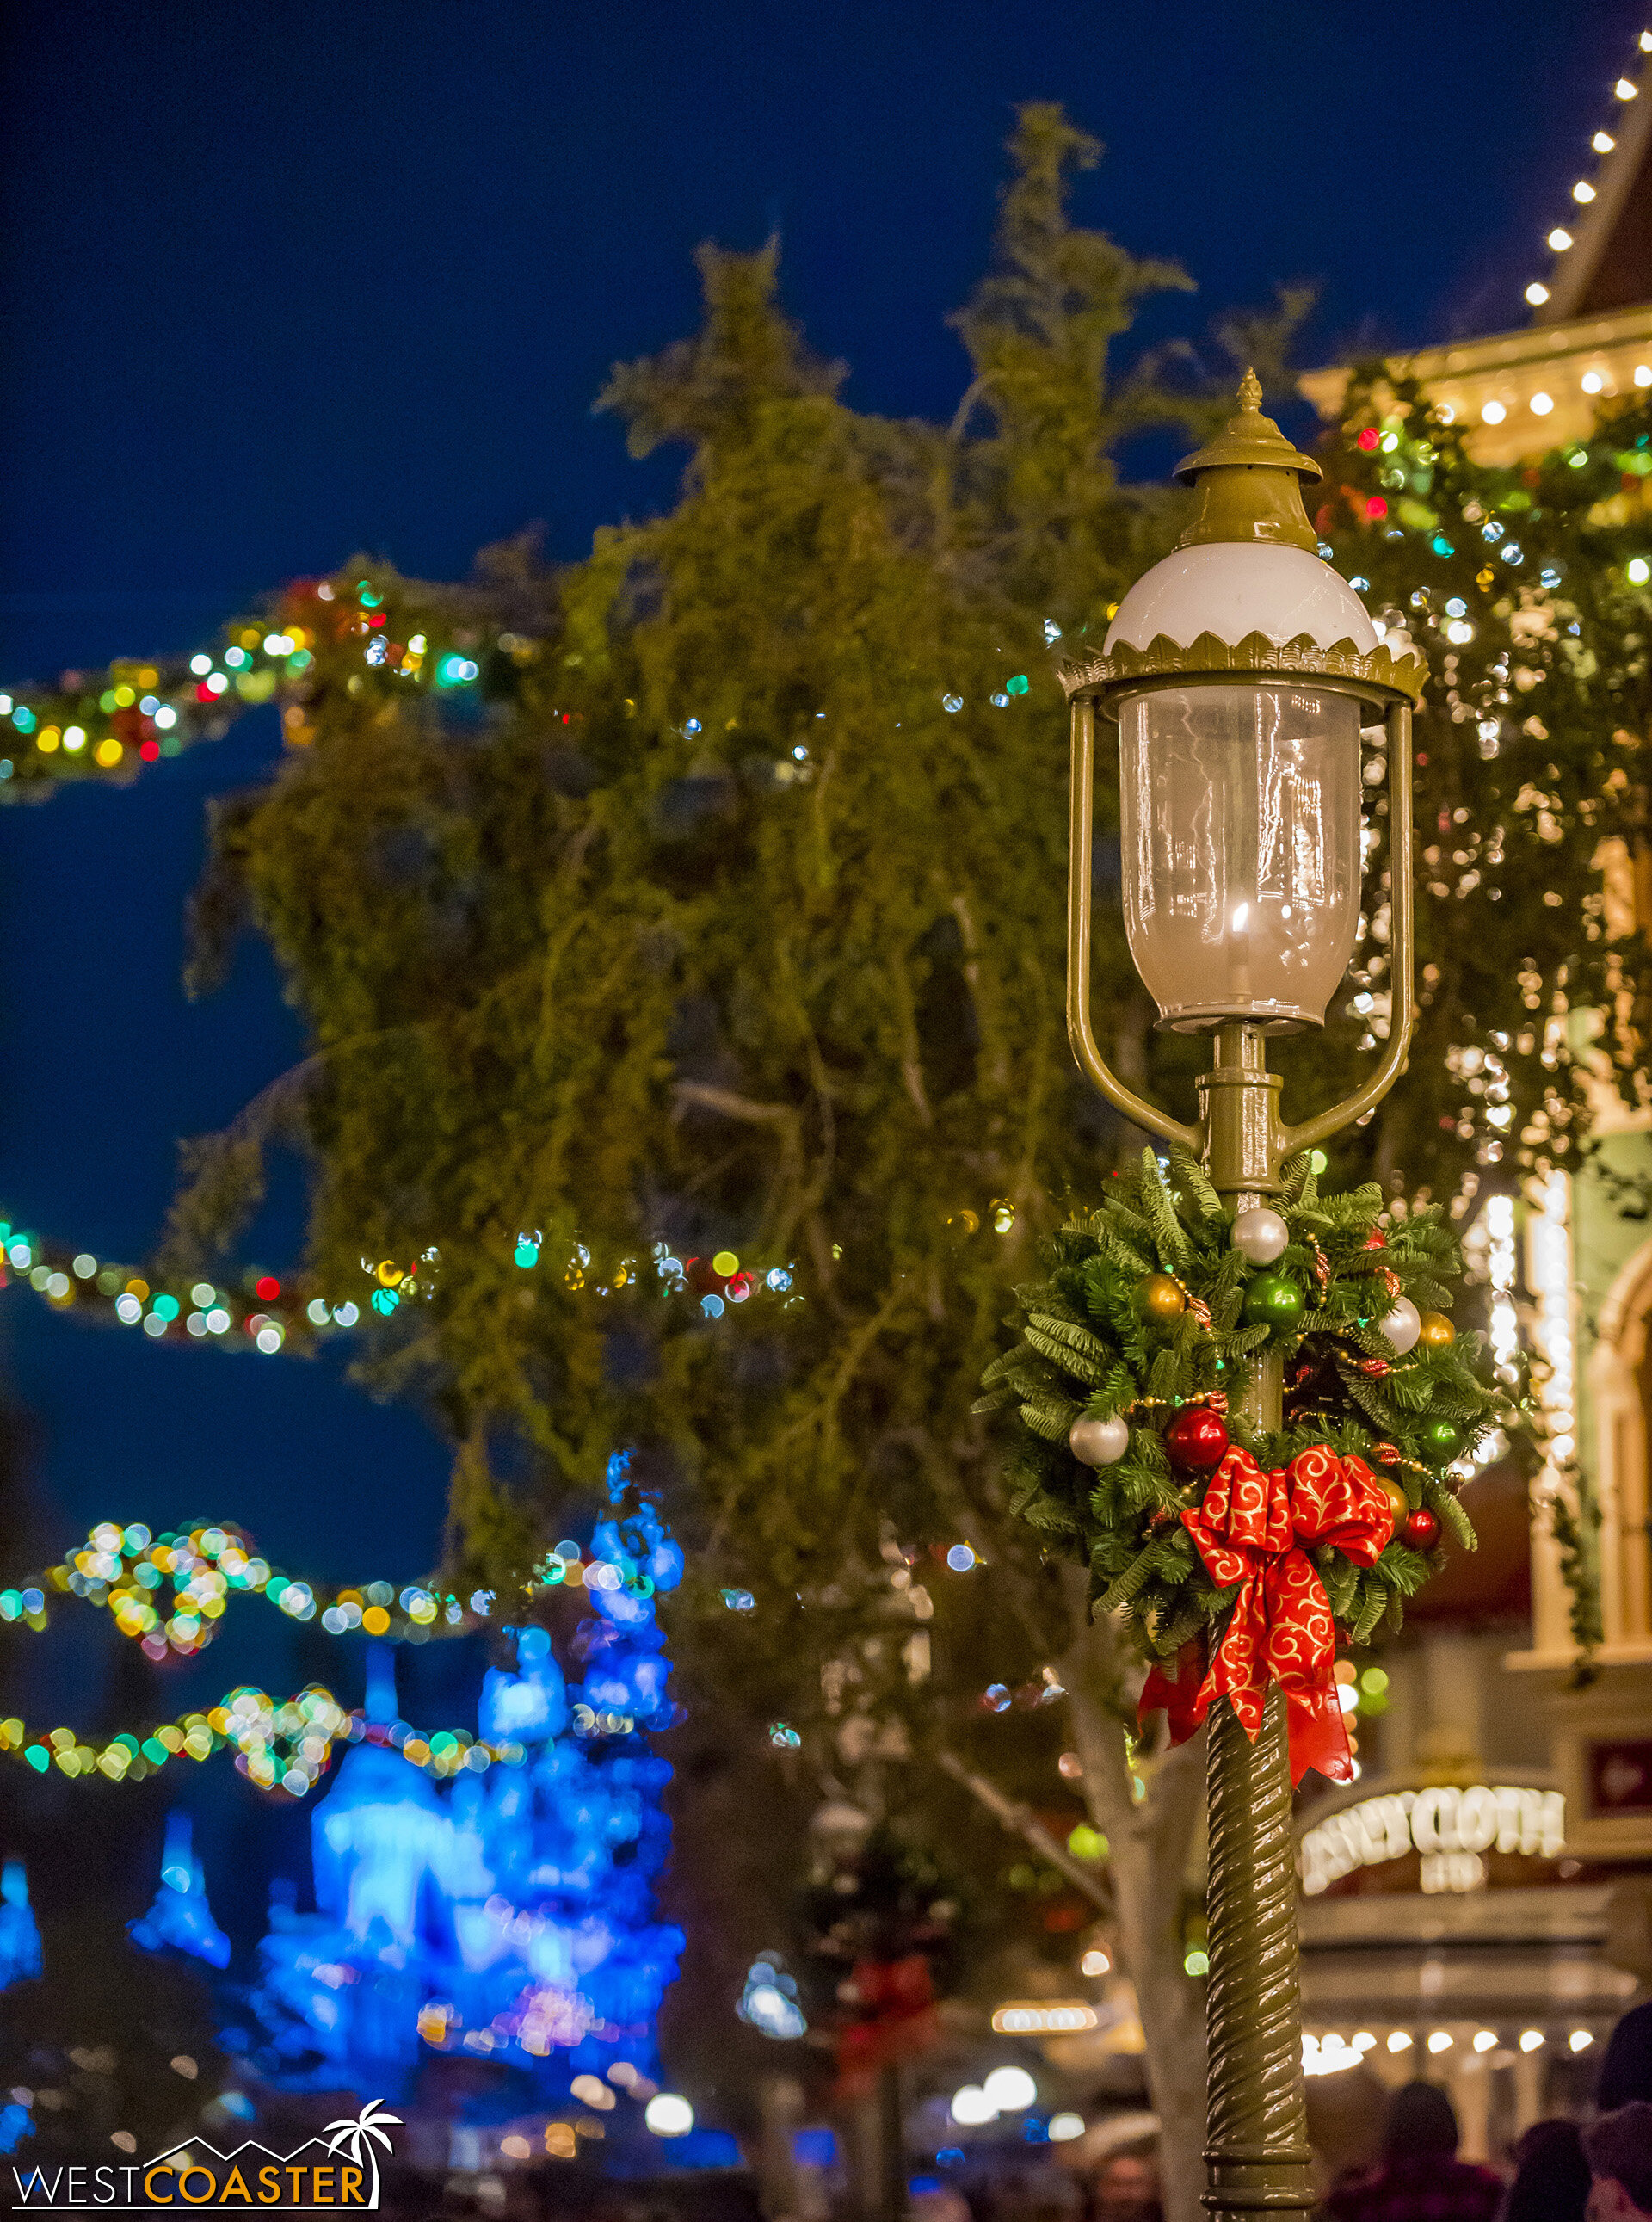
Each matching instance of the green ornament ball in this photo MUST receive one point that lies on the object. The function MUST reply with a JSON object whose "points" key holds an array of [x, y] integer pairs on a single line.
{"points": [[1441, 1440], [1273, 1301]]}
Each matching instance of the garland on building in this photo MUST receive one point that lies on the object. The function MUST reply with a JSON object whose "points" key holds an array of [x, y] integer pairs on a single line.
{"points": [[1157, 1312]]}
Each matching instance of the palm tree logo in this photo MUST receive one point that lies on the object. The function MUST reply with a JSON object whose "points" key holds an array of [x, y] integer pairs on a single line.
{"points": [[358, 2138]]}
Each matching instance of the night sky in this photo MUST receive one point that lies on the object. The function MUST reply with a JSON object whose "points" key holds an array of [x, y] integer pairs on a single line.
{"points": [[281, 284]]}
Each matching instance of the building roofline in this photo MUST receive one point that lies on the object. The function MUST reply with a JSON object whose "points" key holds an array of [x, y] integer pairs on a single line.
{"points": [[1573, 269]]}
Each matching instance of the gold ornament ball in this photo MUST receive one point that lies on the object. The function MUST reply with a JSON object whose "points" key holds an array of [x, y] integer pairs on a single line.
{"points": [[1398, 1502], [1162, 1298], [1437, 1332]]}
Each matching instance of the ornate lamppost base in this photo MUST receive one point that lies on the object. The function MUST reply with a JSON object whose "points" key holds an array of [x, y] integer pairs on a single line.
{"points": [[1258, 2152]]}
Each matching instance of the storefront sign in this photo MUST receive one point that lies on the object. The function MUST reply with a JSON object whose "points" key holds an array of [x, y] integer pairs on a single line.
{"points": [[1450, 1828]]}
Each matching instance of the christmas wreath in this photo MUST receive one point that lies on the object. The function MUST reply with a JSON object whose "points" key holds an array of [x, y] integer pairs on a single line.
{"points": [[1244, 1556]]}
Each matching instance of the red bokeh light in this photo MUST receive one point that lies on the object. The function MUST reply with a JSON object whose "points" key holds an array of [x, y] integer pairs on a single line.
{"points": [[1368, 438], [268, 1288], [1376, 507]]}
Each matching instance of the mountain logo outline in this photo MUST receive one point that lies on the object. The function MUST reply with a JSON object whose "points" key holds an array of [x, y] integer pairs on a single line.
{"points": [[341, 2172]]}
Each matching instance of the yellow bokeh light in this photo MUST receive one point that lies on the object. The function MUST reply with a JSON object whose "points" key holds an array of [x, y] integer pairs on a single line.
{"points": [[47, 739], [375, 1620], [725, 1263], [110, 753]]}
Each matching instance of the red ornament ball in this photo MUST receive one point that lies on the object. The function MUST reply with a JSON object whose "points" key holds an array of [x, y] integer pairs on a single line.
{"points": [[1197, 1440], [1420, 1529]]}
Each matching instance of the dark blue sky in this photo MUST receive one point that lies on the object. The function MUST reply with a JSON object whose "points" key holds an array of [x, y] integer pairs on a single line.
{"points": [[281, 283]]}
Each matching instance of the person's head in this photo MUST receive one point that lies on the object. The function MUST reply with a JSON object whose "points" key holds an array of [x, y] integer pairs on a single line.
{"points": [[1551, 2179], [1126, 2189], [1419, 2121], [1626, 2066], [1618, 2148]]}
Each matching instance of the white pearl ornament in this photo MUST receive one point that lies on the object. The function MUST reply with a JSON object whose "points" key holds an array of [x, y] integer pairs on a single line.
{"points": [[1099, 1442], [1403, 1325], [1260, 1234]]}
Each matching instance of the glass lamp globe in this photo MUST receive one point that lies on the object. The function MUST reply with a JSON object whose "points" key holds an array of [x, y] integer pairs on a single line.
{"points": [[1239, 784]]}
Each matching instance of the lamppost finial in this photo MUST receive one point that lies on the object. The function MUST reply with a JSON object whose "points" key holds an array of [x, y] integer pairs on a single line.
{"points": [[1249, 479]]}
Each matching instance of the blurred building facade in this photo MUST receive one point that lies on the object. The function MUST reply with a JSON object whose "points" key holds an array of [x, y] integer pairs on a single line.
{"points": [[1478, 1907]]}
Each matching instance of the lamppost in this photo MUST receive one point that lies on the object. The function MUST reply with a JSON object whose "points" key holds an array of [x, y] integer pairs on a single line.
{"points": [[1240, 672]]}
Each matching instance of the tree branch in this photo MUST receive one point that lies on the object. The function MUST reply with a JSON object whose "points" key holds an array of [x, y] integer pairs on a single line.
{"points": [[1021, 1821]]}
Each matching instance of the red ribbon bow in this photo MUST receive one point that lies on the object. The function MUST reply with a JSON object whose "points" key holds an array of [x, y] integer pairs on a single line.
{"points": [[1250, 1530]]}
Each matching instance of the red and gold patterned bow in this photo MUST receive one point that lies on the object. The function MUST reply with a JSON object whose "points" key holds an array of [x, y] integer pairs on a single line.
{"points": [[1250, 1530]]}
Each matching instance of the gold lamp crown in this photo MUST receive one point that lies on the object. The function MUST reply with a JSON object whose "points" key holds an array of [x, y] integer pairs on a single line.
{"points": [[1249, 481]]}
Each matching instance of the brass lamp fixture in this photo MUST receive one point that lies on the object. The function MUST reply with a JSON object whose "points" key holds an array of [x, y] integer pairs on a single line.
{"points": [[1240, 672]]}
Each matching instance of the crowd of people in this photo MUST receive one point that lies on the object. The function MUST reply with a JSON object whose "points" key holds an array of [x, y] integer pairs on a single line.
{"points": [[1596, 2170]]}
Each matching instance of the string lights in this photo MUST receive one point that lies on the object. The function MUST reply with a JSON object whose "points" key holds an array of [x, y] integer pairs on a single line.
{"points": [[284, 1748], [1584, 193], [168, 1592], [111, 722], [1550, 1273], [266, 1314]]}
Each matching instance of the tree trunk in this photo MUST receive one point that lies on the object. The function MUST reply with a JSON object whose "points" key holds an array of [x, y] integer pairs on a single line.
{"points": [[780, 2100], [891, 2146], [1150, 1843]]}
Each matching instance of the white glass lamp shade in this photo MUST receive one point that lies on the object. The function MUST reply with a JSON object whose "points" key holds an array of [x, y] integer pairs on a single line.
{"points": [[1240, 822], [1235, 588]]}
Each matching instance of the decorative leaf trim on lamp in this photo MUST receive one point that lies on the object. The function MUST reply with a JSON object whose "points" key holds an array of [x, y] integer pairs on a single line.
{"points": [[1301, 657]]}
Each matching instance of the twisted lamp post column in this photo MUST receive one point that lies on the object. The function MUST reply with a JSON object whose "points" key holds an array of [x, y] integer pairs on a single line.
{"points": [[1240, 672]]}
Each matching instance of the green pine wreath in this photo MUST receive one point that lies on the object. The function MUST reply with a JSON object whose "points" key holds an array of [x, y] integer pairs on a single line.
{"points": [[1096, 1344]]}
